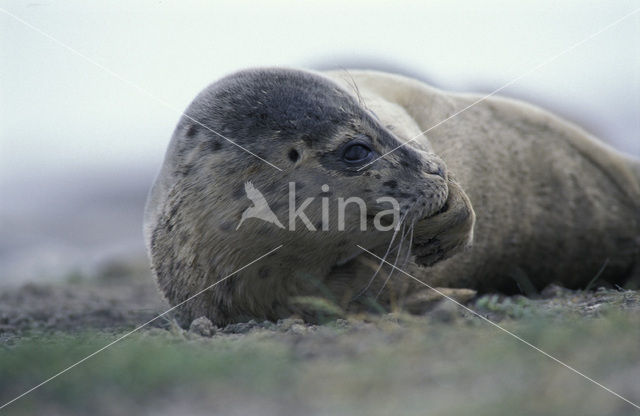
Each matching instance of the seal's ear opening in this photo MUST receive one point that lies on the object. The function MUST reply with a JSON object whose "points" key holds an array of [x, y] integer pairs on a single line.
{"points": [[445, 234]]}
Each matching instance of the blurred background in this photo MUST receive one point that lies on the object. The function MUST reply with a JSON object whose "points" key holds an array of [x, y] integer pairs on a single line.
{"points": [[80, 142]]}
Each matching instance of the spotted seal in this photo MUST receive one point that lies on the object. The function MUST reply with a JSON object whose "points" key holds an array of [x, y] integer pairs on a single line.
{"points": [[541, 200]]}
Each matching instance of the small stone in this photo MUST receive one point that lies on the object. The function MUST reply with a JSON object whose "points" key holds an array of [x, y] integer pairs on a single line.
{"points": [[286, 324], [552, 291], [342, 323], [445, 311], [202, 326], [268, 325], [241, 327], [298, 329]]}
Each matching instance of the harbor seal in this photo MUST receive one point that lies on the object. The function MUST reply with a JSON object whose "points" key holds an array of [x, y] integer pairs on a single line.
{"points": [[542, 201]]}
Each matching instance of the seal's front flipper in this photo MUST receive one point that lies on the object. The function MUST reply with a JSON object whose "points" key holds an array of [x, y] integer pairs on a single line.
{"points": [[446, 233]]}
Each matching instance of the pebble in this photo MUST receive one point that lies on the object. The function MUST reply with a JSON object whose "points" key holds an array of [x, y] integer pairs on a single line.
{"points": [[202, 326]]}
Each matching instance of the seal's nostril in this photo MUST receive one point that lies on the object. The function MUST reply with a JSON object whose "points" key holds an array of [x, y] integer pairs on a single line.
{"points": [[436, 169]]}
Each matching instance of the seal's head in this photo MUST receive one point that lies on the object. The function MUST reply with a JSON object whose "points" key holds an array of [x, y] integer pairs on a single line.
{"points": [[271, 157]]}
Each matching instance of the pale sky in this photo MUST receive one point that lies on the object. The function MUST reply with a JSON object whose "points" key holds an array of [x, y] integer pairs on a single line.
{"points": [[59, 110]]}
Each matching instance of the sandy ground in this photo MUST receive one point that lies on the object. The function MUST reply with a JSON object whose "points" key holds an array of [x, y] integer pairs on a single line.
{"points": [[113, 305], [446, 362]]}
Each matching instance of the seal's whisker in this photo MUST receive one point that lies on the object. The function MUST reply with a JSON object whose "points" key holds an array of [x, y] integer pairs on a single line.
{"points": [[386, 254], [395, 262], [408, 255], [355, 88], [406, 259]]}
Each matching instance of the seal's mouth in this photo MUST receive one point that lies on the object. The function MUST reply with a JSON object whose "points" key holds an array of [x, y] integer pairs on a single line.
{"points": [[422, 213], [433, 203], [442, 210]]}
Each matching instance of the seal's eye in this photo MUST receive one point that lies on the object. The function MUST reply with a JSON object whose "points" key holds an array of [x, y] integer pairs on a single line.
{"points": [[356, 152]]}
